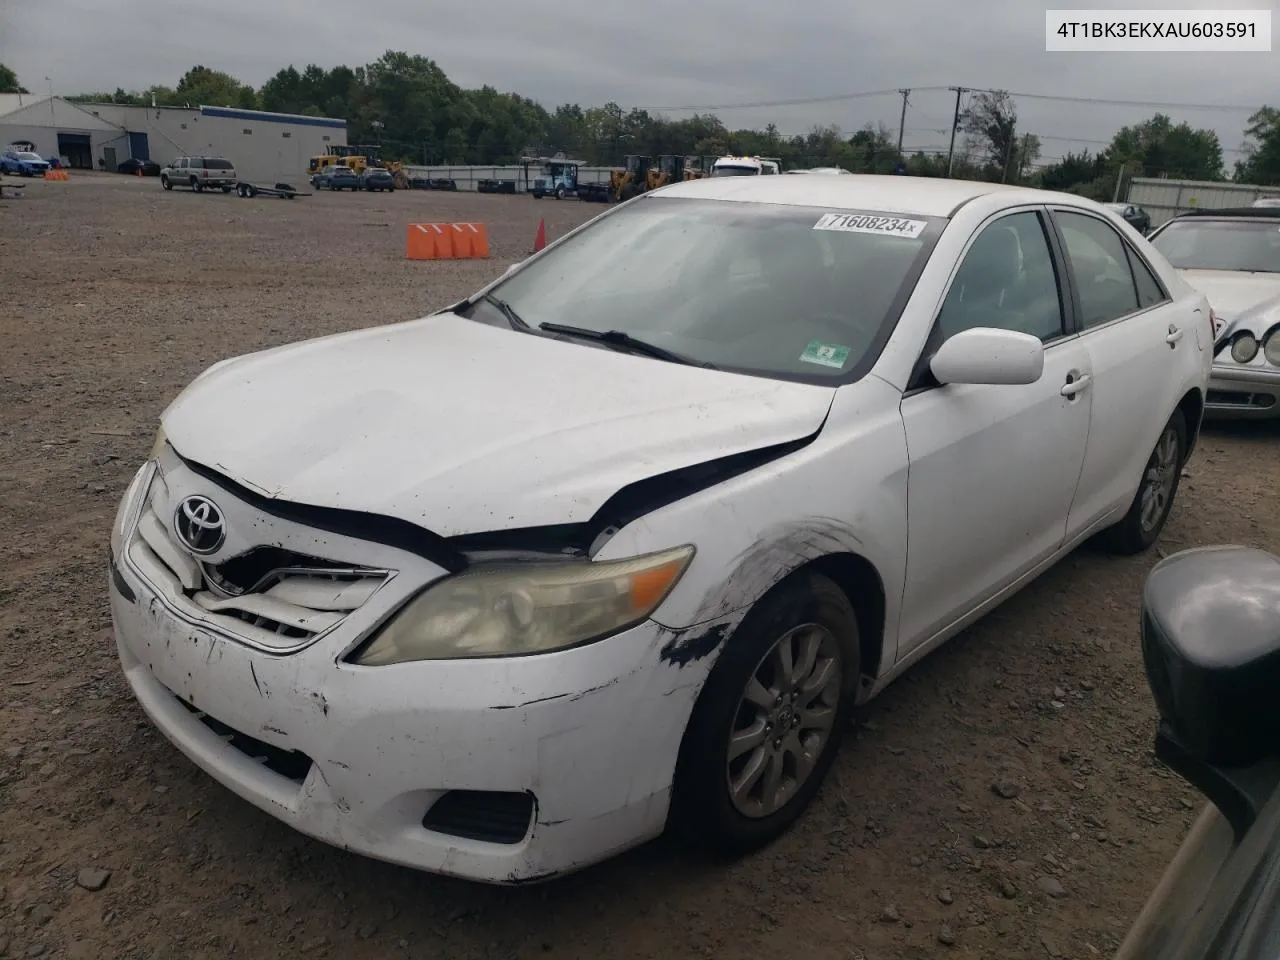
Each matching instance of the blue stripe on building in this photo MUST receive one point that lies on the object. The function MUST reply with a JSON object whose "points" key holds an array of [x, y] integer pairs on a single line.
{"points": [[284, 118]]}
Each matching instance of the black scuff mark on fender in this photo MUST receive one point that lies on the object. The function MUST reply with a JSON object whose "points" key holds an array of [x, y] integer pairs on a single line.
{"points": [[270, 729], [339, 763], [254, 673], [551, 823], [690, 645], [596, 688], [319, 699], [529, 703], [778, 551]]}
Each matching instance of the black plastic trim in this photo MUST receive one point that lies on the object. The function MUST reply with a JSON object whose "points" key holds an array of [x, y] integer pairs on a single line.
{"points": [[389, 531], [118, 580]]}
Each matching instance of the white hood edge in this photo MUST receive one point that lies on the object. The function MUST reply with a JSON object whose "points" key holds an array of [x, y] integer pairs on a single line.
{"points": [[462, 428]]}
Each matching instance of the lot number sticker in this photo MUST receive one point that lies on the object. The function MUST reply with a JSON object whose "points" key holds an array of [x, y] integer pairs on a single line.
{"points": [[862, 223], [825, 354]]}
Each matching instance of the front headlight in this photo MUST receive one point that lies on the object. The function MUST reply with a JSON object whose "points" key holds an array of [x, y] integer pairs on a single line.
{"points": [[1271, 347], [1244, 348], [157, 447], [527, 608], [128, 508]]}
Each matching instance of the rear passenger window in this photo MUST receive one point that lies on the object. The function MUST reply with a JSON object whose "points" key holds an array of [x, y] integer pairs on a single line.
{"points": [[1149, 292], [1104, 279]]}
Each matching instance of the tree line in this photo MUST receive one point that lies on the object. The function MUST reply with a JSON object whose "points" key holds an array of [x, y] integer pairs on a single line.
{"points": [[408, 104]]}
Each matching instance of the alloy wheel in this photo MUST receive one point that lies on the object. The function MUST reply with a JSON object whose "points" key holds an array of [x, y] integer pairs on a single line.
{"points": [[784, 720], [1162, 473]]}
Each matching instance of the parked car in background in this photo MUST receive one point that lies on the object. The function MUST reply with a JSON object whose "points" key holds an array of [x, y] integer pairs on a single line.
{"points": [[1267, 202], [336, 177], [1134, 215], [131, 166], [656, 607], [1233, 256], [377, 179], [199, 173], [1210, 638], [828, 171], [23, 163]]}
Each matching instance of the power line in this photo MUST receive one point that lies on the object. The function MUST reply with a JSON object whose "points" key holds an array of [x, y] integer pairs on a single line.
{"points": [[800, 101]]}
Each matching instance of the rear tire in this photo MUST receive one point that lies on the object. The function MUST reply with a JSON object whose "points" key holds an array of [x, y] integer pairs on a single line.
{"points": [[784, 733], [1153, 502]]}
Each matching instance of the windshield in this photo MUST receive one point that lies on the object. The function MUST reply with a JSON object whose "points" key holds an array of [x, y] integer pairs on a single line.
{"points": [[1245, 245], [792, 292], [735, 172]]}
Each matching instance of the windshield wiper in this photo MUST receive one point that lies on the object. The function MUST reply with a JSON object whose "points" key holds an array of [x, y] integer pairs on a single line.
{"points": [[618, 338], [508, 311]]}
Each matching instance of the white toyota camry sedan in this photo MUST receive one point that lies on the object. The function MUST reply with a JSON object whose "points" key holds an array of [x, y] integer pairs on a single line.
{"points": [[616, 543]]}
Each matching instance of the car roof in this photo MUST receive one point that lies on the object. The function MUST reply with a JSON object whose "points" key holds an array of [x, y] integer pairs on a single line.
{"points": [[922, 196]]}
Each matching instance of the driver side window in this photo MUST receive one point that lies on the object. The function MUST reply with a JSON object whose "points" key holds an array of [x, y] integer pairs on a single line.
{"points": [[1006, 280]]}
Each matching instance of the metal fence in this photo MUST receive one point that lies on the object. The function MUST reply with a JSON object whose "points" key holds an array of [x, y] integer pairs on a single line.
{"points": [[1165, 199], [467, 177]]}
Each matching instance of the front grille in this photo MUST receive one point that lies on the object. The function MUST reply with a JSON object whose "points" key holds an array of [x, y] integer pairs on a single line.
{"points": [[1233, 398], [270, 597], [485, 815], [290, 764]]}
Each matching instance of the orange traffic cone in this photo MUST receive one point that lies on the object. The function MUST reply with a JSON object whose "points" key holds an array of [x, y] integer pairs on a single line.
{"points": [[540, 240]]}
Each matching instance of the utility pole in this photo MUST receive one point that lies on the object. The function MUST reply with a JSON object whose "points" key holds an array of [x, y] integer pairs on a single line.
{"points": [[1022, 155], [955, 122], [902, 122], [1115, 197], [1008, 155]]}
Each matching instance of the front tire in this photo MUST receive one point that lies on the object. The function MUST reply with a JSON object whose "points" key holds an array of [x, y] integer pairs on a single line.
{"points": [[768, 723], [1153, 502]]}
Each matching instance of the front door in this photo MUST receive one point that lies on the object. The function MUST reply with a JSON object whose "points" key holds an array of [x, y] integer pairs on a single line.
{"points": [[993, 469], [1137, 342]]}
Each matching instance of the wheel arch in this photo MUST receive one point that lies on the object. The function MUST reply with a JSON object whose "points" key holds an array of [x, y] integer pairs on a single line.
{"points": [[1192, 407]]}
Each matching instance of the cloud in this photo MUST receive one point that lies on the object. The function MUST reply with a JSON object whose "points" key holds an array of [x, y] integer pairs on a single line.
{"points": [[657, 54]]}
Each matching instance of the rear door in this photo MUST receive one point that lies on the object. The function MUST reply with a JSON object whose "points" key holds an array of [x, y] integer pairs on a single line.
{"points": [[993, 468], [1138, 339]]}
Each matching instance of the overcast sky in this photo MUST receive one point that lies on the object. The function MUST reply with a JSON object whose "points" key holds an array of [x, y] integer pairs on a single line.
{"points": [[663, 53]]}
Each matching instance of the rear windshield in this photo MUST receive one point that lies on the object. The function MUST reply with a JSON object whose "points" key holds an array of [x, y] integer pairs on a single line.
{"points": [[735, 172], [800, 293], [215, 163]]}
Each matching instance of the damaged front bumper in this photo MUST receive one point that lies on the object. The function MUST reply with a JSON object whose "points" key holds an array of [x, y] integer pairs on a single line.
{"points": [[503, 770]]}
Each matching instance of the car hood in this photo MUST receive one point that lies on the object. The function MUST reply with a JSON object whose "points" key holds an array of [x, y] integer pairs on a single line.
{"points": [[1246, 301], [460, 427]]}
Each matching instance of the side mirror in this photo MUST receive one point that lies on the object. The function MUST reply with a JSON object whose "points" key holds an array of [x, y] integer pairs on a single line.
{"points": [[988, 355], [1211, 648]]}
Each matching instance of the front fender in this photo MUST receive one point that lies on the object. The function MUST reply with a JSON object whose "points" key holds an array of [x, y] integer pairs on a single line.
{"points": [[843, 494]]}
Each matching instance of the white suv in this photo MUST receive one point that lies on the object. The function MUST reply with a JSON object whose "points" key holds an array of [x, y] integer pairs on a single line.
{"points": [[199, 173]]}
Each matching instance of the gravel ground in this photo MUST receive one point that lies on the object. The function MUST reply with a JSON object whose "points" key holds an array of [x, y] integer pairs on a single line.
{"points": [[1000, 801]]}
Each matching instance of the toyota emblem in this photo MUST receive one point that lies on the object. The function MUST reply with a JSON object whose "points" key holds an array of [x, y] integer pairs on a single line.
{"points": [[200, 525]]}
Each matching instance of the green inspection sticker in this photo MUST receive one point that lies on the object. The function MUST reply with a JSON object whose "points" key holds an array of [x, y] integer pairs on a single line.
{"points": [[825, 354]]}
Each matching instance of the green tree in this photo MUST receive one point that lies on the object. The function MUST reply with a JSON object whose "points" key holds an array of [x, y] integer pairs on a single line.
{"points": [[1159, 147], [1261, 164], [9, 81], [203, 86]]}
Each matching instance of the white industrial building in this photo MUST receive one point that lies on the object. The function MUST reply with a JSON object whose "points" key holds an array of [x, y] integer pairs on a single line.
{"points": [[263, 146]]}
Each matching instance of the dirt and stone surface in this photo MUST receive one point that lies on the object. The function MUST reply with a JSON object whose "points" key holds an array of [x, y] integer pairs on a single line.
{"points": [[1000, 801]]}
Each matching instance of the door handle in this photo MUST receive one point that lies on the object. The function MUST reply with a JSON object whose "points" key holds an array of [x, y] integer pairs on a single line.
{"points": [[1074, 385], [1174, 336]]}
